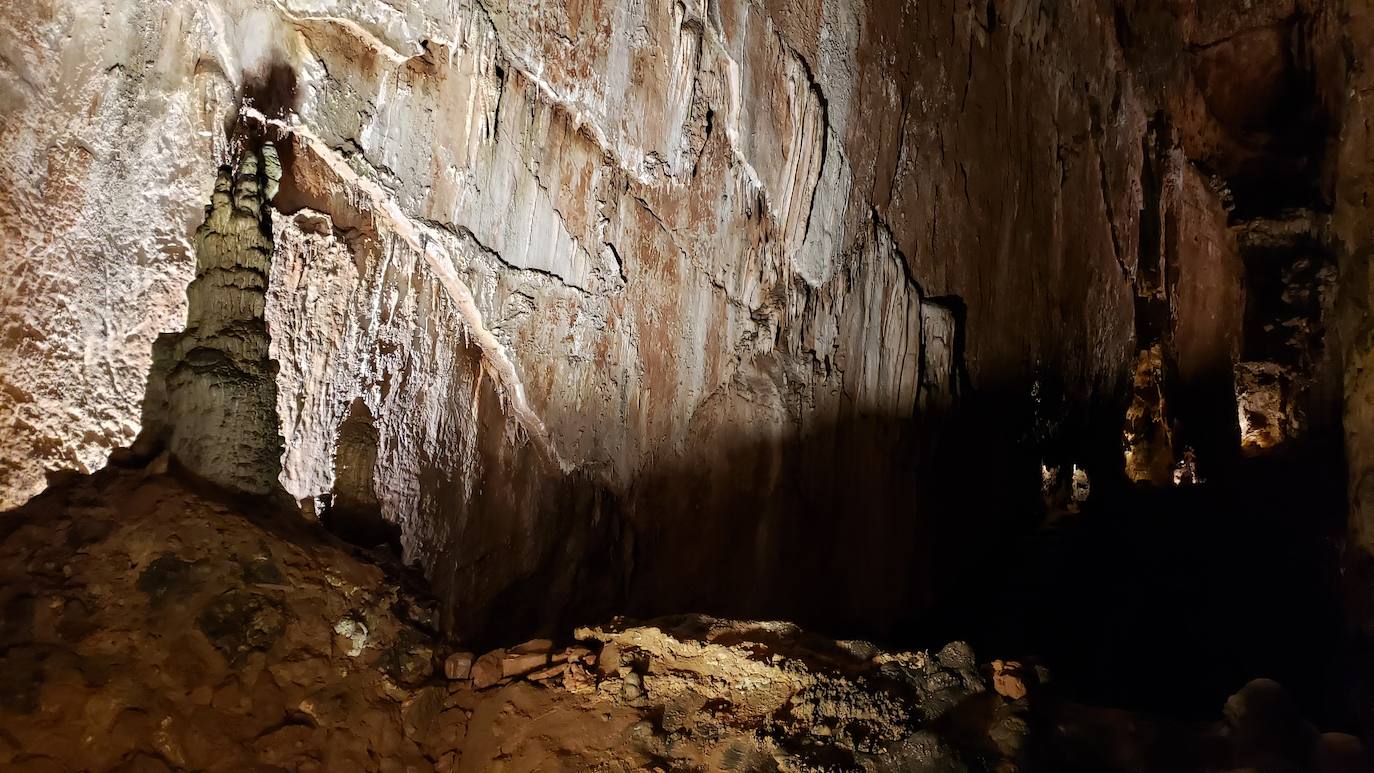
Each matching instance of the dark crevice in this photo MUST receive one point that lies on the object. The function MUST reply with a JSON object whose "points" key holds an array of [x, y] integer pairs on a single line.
{"points": [[1099, 140], [354, 511]]}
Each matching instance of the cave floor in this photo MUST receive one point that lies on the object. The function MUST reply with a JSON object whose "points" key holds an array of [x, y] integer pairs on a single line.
{"points": [[147, 625]]}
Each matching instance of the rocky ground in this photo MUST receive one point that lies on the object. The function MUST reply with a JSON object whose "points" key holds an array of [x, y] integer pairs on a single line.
{"points": [[148, 626]]}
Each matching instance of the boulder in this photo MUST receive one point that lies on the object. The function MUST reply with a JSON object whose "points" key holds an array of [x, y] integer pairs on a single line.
{"points": [[533, 647], [548, 673], [487, 671], [1006, 679], [458, 665], [515, 664]]}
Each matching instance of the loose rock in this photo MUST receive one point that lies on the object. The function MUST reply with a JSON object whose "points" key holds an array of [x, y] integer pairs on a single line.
{"points": [[458, 665], [487, 670], [515, 664]]}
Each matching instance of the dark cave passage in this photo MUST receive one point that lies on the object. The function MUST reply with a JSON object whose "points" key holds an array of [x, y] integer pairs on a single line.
{"points": [[1163, 601], [1162, 597]]}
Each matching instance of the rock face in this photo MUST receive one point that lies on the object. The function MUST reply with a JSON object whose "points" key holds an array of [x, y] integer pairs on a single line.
{"points": [[577, 301], [1354, 233], [603, 279], [96, 219]]}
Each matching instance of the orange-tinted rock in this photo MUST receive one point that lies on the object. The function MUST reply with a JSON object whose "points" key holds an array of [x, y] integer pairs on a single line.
{"points": [[458, 665], [547, 673], [616, 255], [533, 647], [487, 670], [1007, 679], [516, 665]]}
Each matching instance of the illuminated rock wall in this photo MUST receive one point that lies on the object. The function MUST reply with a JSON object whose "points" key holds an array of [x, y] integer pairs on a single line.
{"points": [[629, 291]]}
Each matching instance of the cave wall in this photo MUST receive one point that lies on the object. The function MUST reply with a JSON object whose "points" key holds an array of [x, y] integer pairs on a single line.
{"points": [[109, 120], [1352, 227], [630, 291]]}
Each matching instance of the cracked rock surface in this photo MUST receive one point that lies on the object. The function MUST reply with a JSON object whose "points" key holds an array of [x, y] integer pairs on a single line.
{"points": [[604, 253]]}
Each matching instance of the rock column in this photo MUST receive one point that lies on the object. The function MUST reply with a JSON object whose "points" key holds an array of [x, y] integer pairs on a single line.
{"points": [[212, 390]]}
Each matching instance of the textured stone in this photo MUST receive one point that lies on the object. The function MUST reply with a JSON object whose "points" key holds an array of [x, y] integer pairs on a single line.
{"points": [[410, 661], [706, 693], [1007, 680], [212, 389], [1265, 404], [487, 670], [561, 257], [516, 664], [1148, 436], [533, 647], [1353, 228], [458, 665], [239, 622], [545, 674], [581, 285]]}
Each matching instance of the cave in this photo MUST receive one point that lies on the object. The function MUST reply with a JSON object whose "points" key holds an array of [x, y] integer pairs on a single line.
{"points": [[403, 385]]}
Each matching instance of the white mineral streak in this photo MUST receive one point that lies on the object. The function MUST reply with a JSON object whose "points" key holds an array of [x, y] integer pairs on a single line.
{"points": [[606, 244], [72, 393], [427, 244]]}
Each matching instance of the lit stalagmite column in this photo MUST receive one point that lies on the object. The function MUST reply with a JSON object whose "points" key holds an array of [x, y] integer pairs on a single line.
{"points": [[212, 390]]}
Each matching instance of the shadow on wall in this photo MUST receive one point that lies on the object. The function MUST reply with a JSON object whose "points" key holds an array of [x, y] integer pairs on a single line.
{"points": [[840, 528], [532, 550], [354, 513], [832, 527], [853, 526], [826, 523], [856, 526]]}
